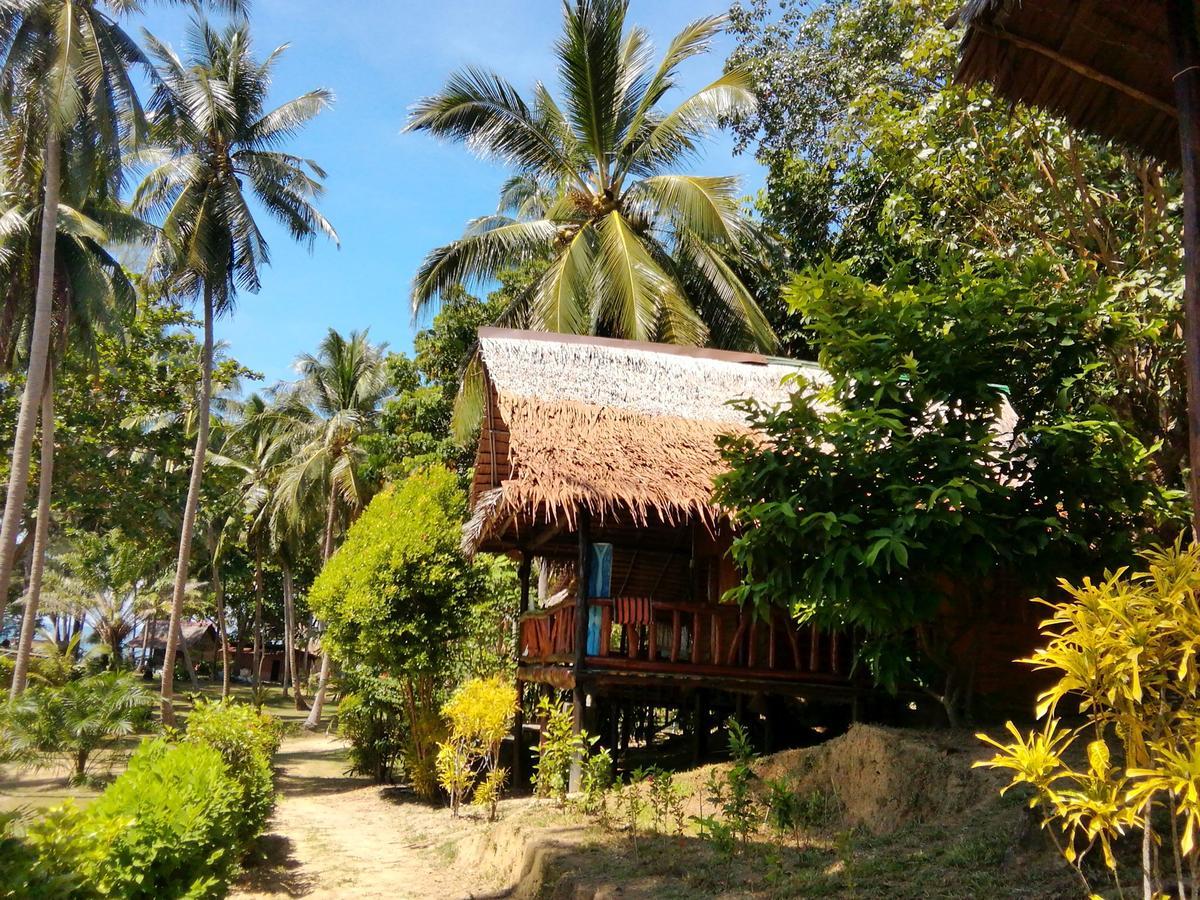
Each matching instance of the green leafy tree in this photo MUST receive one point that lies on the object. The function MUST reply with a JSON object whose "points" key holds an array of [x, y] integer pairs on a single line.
{"points": [[876, 158], [219, 152], [395, 596], [957, 458], [630, 249]]}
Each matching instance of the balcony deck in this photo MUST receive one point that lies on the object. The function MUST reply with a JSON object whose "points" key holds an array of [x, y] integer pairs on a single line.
{"points": [[684, 642]]}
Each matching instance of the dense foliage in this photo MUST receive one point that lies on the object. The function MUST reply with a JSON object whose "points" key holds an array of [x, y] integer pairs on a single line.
{"points": [[247, 741], [175, 824], [396, 592], [957, 458]]}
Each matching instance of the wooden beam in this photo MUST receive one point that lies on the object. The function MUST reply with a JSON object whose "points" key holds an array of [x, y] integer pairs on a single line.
{"points": [[1185, 48], [579, 699], [1080, 68]]}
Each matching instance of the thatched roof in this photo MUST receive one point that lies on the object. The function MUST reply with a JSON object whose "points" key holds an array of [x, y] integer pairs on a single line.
{"points": [[1105, 67], [193, 633], [625, 430]]}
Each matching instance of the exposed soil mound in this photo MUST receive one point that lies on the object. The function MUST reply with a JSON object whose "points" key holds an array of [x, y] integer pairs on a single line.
{"points": [[883, 778]]}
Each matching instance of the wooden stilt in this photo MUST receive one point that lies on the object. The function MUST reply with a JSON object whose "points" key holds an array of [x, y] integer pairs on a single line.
{"points": [[518, 760], [579, 696], [1185, 47]]}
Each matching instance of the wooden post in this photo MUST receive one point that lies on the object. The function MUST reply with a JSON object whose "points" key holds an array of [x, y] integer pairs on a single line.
{"points": [[579, 695], [518, 760], [1185, 48]]}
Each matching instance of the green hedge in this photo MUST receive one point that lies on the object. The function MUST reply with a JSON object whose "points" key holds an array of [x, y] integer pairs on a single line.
{"points": [[175, 824]]}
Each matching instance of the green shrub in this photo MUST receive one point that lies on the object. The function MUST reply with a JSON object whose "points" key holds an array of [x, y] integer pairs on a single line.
{"points": [[184, 825], [371, 718], [559, 747], [247, 741]]}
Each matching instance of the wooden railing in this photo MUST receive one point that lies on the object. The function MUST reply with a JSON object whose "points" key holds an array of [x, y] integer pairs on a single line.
{"points": [[687, 637]]}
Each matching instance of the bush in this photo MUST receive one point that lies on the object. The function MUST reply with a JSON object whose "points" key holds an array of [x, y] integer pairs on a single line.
{"points": [[371, 717], [559, 747], [247, 741], [168, 827], [480, 714], [174, 824], [1124, 652]]}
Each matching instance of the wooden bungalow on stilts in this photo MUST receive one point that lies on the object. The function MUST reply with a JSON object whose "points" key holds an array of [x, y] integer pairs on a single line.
{"points": [[596, 458]]}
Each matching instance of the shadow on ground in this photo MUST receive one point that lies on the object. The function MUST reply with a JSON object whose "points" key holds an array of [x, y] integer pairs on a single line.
{"points": [[274, 870]]}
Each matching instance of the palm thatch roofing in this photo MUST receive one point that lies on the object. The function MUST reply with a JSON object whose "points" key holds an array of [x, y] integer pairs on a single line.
{"points": [[193, 633], [625, 430], [1103, 65]]}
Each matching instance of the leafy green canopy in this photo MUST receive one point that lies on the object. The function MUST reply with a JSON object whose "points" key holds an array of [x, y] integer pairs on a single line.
{"points": [[902, 487], [396, 593], [876, 158], [630, 249]]}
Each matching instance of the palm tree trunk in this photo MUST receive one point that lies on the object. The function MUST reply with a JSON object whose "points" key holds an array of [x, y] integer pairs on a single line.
{"points": [[187, 660], [189, 515], [258, 619], [219, 596], [39, 354], [288, 676], [41, 535], [289, 625], [314, 716]]}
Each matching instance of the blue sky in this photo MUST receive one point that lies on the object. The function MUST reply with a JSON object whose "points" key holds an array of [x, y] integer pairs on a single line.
{"points": [[394, 196]]}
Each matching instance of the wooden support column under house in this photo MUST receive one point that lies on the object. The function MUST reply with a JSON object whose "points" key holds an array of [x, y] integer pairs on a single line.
{"points": [[518, 761], [579, 693], [1185, 54]]}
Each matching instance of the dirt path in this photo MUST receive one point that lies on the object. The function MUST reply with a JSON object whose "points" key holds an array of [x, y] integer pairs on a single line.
{"points": [[334, 836]]}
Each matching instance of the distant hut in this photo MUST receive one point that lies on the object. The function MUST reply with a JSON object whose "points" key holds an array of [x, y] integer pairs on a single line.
{"points": [[200, 637]]}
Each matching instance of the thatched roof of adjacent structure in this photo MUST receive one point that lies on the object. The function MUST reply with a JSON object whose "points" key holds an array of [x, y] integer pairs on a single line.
{"points": [[1103, 66], [624, 430], [193, 633]]}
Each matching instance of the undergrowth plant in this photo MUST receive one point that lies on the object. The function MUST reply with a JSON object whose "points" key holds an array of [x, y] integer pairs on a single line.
{"points": [[1125, 650], [559, 747], [736, 812], [596, 782]]}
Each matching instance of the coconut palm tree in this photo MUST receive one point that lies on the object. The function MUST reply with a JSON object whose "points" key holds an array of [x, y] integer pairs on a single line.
{"points": [[217, 153], [333, 405], [92, 293], [632, 248], [64, 65]]}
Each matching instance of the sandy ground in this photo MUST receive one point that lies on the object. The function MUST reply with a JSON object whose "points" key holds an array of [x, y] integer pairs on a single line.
{"points": [[335, 836]]}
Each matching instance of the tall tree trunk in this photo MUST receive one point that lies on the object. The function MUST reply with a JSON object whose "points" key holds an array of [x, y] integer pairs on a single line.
{"points": [[258, 653], [189, 514], [288, 675], [219, 596], [41, 535], [314, 716], [187, 660], [39, 354], [289, 619]]}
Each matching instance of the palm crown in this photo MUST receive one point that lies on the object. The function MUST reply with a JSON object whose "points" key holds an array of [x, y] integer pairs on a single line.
{"points": [[219, 140], [631, 249]]}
